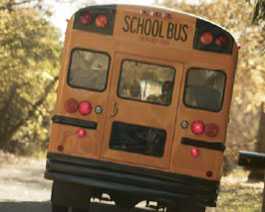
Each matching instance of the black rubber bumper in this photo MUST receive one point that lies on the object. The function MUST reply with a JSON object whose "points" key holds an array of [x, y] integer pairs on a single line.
{"points": [[145, 183], [252, 160]]}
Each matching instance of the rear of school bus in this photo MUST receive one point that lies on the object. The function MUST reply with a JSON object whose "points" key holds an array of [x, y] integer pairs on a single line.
{"points": [[142, 109]]}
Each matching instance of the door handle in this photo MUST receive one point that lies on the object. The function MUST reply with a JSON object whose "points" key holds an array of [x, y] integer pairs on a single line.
{"points": [[115, 109]]}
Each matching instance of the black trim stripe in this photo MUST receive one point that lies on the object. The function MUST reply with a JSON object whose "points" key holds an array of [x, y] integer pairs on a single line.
{"points": [[203, 144], [74, 122]]}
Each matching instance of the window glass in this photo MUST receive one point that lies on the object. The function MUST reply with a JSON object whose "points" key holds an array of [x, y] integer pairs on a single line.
{"points": [[204, 89], [88, 70], [138, 139], [146, 82]]}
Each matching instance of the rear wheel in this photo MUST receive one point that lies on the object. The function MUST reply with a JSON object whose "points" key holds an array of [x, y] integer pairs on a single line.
{"points": [[67, 195], [185, 207], [59, 208], [79, 210]]}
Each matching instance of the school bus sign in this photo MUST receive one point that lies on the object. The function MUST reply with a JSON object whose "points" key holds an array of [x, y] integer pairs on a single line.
{"points": [[156, 29]]}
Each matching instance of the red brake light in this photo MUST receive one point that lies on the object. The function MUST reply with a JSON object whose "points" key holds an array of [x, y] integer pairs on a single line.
{"points": [[71, 105], [197, 127], [221, 41], [85, 108], [211, 130], [195, 152], [101, 21], [81, 133], [86, 18], [206, 38]]}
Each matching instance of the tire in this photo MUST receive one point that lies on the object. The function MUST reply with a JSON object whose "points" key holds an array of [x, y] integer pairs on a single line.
{"points": [[59, 208], [186, 208], [79, 210], [70, 195]]}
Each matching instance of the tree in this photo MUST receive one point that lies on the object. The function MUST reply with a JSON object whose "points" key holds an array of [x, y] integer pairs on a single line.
{"points": [[259, 11], [29, 52]]}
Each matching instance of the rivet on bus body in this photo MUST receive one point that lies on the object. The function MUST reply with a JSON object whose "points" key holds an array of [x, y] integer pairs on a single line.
{"points": [[60, 148], [184, 124], [98, 109]]}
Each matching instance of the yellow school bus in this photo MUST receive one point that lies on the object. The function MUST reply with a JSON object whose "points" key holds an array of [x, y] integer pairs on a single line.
{"points": [[142, 109]]}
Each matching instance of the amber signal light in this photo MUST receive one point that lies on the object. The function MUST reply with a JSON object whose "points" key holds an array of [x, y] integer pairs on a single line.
{"points": [[71, 105], [86, 18], [101, 21], [221, 40], [206, 38], [211, 130]]}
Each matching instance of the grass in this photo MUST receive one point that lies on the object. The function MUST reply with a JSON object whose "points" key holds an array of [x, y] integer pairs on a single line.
{"points": [[239, 195]]}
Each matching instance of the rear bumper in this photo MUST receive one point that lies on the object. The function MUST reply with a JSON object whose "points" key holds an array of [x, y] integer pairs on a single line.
{"points": [[144, 183]]}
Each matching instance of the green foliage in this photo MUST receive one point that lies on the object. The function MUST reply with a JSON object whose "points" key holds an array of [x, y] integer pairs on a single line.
{"points": [[29, 52], [249, 89]]}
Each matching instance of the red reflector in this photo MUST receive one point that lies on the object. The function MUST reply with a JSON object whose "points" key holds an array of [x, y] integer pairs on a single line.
{"points": [[197, 127], [209, 173], [86, 18], [211, 130], [81, 133], [206, 38], [71, 105], [85, 108], [195, 152], [221, 40], [101, 21], [60, 148]]}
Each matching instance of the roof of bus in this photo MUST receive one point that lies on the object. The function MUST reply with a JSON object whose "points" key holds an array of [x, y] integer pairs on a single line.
{"points": [[176, 11]]}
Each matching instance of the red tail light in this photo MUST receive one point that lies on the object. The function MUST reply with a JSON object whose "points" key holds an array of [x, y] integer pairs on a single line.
{"points": [[81, 133], [86, 18], [211, 130], [221, 41], [195, 152], [71, 105], [85, 108], [101, 21], [197, 127], [206, 38]]}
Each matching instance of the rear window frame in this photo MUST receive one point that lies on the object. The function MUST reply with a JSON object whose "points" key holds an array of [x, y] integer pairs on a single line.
{"points": [[185, 90], [147, 63], [70, 64]]}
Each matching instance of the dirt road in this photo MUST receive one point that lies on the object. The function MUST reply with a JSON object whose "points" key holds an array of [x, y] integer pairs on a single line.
{"points": [[23, 188]]}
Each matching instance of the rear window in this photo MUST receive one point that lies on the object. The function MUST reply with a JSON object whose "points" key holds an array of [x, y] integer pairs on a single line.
{"points": [[88, 69], [204, 89], [146, 82]]}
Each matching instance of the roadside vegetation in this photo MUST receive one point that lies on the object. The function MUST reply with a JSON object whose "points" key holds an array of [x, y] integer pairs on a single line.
{"points": [[29, 63]]}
